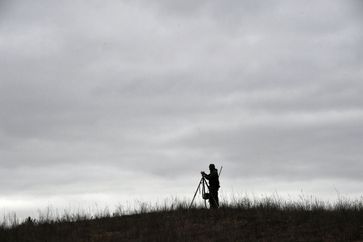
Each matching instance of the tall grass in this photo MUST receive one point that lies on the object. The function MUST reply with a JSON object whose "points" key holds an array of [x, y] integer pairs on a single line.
{"points": [[267, 203], [243, 218]]}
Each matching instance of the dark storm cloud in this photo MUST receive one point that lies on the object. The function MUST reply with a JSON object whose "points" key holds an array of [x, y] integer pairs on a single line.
{"points": [[158, 89]]}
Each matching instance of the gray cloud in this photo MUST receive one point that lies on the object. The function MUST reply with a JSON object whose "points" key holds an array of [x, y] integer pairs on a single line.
{"points": [[156, 90]]}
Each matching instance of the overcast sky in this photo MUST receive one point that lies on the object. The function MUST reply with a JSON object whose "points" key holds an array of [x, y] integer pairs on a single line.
{"points": [[110, 101]]}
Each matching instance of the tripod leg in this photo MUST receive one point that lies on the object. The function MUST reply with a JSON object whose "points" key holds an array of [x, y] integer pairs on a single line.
{"points": [[196, 191], [204, 184]]}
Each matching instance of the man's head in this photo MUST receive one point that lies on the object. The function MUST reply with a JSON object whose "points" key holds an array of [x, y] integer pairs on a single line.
{"points": [[212, 167]]}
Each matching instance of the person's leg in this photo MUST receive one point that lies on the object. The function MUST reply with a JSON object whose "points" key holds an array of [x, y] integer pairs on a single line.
{"points": [[213, 200], [216, 199]]}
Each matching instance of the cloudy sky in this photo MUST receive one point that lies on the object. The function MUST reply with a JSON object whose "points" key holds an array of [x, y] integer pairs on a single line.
{"points": [[110, 101]]}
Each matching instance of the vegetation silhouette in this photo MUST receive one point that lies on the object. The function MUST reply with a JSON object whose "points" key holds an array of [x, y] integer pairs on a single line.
{"points": [[237, 219]]}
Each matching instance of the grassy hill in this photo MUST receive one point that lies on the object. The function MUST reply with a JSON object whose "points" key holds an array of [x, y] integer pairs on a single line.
{"points": [[246, 220]]}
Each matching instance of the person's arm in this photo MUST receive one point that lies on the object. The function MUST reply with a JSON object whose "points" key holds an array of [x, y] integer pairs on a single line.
{"points": [[210, 176], [205, 175]]}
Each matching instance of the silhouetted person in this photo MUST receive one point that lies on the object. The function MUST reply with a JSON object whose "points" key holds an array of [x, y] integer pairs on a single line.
{"points": [[213, 179]]}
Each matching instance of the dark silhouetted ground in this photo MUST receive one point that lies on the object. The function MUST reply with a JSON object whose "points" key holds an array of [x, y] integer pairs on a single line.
{"points": [[242, 222]]}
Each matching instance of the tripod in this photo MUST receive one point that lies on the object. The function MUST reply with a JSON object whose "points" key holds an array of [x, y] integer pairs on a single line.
{"points": [[204, 184]]}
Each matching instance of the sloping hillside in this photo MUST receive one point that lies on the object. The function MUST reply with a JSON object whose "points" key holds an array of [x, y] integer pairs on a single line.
{"points": [[264, 223]]}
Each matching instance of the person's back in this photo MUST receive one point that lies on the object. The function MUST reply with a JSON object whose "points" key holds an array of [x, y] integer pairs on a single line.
{"points": [[214, 179]]}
